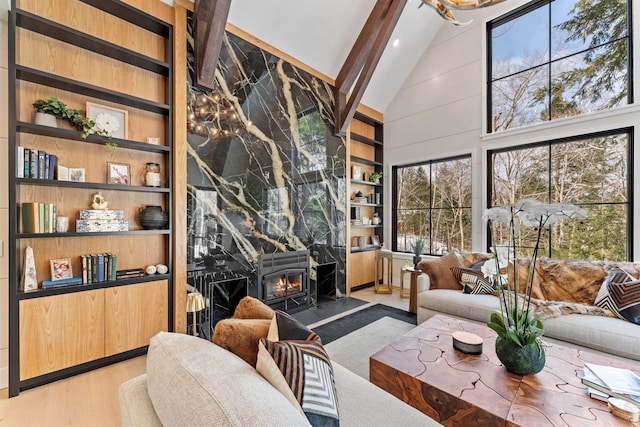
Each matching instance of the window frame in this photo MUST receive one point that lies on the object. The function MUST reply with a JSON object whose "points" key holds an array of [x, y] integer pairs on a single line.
{"points": [[521, 11], [550, 143], [394, 191]]}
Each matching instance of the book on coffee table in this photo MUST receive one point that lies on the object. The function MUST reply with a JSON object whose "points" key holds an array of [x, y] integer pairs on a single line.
{"points": [[616, 379]]}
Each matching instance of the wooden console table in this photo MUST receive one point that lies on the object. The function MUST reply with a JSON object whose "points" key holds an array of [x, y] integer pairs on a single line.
{"points": [[424, 370]]}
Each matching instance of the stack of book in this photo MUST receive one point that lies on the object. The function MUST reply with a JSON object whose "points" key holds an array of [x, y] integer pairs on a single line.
{"points": [[98, 268], [129, 274], [92, 221], [38, 164], [604, 382], [38, 217]]}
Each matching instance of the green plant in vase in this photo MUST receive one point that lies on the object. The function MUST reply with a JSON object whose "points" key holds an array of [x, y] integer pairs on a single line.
{"points": [[85, 125], [375, 177], [417, 247], [518, 345]]}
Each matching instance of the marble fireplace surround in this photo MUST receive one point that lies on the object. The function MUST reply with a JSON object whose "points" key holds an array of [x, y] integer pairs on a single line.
{"points": [[265, 172]]}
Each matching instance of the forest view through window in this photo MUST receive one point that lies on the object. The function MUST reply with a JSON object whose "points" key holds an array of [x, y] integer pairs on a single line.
{"points": [[557, 59], [433, 202], [592, 172]]}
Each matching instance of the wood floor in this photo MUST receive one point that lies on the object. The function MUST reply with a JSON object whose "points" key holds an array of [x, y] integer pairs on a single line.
{"points": [[91, 399]]}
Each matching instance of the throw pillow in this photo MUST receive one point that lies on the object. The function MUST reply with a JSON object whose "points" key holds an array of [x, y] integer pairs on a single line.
{"points": [[472, 281], [285, 327], [252, 308], [620, 293], [302, 372], [241, 337], [439, 271]]}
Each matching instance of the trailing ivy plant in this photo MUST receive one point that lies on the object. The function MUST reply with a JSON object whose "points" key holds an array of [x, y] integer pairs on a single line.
{"points": [[84, 124]]}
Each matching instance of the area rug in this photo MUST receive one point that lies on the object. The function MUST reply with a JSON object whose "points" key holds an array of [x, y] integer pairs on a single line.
{"points": [[353, 350], [338, 328]]}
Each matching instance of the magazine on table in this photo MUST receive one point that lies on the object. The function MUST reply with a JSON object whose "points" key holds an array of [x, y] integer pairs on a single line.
{"points": [[617, 379], [596, 384]]}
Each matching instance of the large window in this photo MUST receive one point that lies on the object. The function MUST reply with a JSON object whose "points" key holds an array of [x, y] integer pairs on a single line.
{"points": [[433, 201], [591, 171], [557, 59]]}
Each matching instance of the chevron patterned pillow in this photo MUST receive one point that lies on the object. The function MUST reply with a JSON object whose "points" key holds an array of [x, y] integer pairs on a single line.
{"points": [[620, 293], [473, 281], [302, 372]]}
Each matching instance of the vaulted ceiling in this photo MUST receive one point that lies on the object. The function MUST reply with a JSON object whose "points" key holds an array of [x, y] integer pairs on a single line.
{"points": [[320, 33]]}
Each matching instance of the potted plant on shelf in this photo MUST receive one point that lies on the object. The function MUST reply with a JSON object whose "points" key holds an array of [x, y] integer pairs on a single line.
{"points": [[518, 345], [57, 109], [417, 247], [375, 177]]}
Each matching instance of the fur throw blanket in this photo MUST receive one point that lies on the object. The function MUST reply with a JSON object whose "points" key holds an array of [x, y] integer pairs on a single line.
{"points": [[548, 309]]}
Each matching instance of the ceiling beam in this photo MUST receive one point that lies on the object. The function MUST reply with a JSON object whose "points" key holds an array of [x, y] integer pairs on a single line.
{"points": [[210, 20], [363, 59]]}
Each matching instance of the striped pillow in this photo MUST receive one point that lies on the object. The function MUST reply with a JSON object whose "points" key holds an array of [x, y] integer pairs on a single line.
{"points": [[473, 281], [620, 293]]}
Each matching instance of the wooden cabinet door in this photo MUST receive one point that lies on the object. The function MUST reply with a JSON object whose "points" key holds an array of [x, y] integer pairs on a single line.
{"points": [[60, 331], [133, 314], [361, 268]]}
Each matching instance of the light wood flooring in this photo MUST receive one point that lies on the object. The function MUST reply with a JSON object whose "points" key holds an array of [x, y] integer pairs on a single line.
{"points": [[91, 399]]}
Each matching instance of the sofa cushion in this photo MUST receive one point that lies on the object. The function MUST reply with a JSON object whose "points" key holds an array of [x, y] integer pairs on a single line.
{"points": [[472, 280], [302, 372], [457, 303], [192, 382], [252, 308], [620, 293], [439, 271], [285, 327], [241, 337]]}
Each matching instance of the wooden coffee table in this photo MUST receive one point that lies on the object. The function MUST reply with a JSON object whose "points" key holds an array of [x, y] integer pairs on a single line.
{"points": [[424, 370]]}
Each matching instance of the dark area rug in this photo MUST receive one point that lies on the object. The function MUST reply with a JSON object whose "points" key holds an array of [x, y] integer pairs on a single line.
{"points": [[341, 327], [327, 308]]}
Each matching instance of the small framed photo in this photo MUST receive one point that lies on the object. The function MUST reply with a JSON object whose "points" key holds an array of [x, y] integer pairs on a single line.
{"points": [[109, 121], [356, 173], [76, 174], [375, 240], [155, 140], [63, 173], [118, 173], [61, 269]]}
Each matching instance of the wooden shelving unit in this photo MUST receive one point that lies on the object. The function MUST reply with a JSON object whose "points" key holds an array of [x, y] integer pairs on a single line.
{"points": [[366, 153], [62, 331]]}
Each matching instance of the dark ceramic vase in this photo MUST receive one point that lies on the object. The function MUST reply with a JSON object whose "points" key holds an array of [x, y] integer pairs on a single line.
{"points": [[153, 218], [526, 360], [416, 260]]}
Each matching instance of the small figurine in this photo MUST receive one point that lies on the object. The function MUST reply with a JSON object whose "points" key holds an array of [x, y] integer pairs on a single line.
{"points": [[99, 203]]}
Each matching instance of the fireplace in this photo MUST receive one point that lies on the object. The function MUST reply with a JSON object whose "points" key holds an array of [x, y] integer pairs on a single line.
{"points": [[283, 280]]}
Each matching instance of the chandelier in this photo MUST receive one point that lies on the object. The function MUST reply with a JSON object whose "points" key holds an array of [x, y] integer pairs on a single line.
{"points": [[443, 7]]}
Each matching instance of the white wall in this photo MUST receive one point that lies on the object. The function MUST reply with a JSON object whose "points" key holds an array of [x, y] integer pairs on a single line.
{"points": [[439, 112], [4, 203]]}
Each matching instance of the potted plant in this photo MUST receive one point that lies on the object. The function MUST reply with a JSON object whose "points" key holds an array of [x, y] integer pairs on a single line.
{"points": [[57, 109], [417, 247], [375, 177], [518, 345]]}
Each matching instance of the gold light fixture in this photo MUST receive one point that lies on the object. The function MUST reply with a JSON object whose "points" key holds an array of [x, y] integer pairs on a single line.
{"points": [[443, 7], [195, 303]]}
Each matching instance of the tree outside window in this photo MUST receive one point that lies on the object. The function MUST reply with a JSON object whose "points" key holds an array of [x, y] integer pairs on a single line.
{"points": [[433, 201], [589, 171], [555, 59]]}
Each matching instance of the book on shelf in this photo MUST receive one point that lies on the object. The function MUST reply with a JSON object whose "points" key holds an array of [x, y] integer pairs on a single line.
{"points": [[33, 164], [617, 379], [19, 162], [130, 273], [76, 280], [52, 165], [592, 381], [29, 213], [41, 164], [27, 163]]}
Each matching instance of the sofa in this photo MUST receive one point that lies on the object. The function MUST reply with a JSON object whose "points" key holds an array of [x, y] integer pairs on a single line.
{"points": [[193, 382], [570, 285]]}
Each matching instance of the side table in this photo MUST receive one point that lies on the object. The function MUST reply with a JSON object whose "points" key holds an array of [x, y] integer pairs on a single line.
{"points": [[412, 292]]}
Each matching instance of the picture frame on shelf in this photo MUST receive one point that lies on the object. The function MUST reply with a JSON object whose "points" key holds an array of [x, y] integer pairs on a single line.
{"points": [[155, 140], [375, 240], [118, 173], [356, 173], [76, 174], [113, 120], [61, 269], [62, 173]]}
